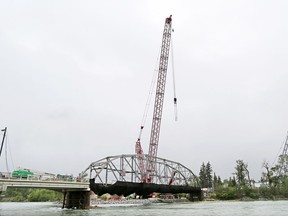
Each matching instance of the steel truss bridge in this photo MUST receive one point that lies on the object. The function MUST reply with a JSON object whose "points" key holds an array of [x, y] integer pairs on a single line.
{"points": [[121, 175]]}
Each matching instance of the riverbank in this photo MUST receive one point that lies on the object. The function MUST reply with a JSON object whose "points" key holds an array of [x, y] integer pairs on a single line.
{"points": [[249, 193]]}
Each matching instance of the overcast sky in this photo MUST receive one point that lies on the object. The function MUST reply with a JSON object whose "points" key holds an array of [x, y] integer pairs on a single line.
{"points": [[75, 76]]}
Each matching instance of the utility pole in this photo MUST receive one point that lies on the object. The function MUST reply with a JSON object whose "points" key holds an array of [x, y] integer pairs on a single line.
{"points": [[2, 144]]}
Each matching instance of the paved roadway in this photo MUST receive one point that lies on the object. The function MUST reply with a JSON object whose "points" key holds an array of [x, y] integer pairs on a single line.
{"points": [[46, 184]]}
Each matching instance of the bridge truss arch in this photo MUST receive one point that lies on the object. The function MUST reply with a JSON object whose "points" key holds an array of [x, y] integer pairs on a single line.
{"points": [[126, 168]]}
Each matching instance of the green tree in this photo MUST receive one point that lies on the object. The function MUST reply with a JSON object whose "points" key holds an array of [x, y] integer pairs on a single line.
{"points": [[280, 170], [16, 194], [242, 174], [268, 175], [33, 195], [43, 195], [202, 176], [208, 173], [277, 174], [205, 176], [228, 193], [217, 181]]}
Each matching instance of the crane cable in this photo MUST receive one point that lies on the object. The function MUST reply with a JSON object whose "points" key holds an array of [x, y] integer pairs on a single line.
{"points": [[8, 150], [152, 85], [148, 102], [6, 156], [174, 86], [282, 146]]}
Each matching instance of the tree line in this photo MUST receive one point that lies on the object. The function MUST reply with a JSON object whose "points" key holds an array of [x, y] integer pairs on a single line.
{"points": [[273, 183], [30, 195]]}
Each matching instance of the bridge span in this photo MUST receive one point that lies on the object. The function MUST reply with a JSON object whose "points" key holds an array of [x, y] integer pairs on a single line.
{"points": [[121, 175], [62, 186], [76, 194]]}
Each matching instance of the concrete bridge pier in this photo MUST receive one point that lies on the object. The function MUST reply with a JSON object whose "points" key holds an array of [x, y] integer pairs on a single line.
{"points": [[196, 195], [76, 199]]}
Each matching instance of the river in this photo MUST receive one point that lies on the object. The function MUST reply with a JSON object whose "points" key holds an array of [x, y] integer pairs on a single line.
{"points": [[254, 208]]}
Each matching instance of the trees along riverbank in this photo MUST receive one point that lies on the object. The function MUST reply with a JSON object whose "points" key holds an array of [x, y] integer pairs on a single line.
{"points": [[30, 195], [273, 184]]}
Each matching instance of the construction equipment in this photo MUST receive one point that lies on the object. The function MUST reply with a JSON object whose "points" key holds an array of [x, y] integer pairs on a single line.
{"points": [[282, 160], [285, 146], [148, 170], [21, 172]]}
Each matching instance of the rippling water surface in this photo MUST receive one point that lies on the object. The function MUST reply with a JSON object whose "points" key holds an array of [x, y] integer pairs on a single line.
{"points": [[256, 208]]}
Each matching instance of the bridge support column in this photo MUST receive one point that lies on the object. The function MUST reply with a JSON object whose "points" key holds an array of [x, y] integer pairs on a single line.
{"points": [[196, 196], [76, 199]]}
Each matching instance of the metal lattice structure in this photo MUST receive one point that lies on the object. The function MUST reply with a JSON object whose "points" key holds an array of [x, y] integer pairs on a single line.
{"points": [[285, 146], [283, 160], [159, 99], [140, 173], [125, 168]]}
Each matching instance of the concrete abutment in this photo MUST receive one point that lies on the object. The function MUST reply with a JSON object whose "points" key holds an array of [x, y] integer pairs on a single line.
{"points": [[76, 200]]}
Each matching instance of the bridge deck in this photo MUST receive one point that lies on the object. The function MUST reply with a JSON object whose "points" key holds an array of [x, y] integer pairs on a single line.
{"points": [[52, 185], [127, 188]]}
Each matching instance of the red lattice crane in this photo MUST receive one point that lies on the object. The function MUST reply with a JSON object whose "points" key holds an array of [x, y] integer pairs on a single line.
{"points": [[148, 170]]}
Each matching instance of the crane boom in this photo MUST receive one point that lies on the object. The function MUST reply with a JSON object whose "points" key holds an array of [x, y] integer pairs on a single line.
{"points": [[159, 99], [285, 146]]}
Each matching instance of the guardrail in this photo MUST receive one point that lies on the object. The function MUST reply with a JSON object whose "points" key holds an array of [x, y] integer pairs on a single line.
{"points": [[40, 178], [53, 185], [8, 175]]}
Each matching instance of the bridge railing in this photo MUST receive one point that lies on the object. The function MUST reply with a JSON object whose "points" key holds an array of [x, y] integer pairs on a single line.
{"points": [[5, 175], [56, 178]]}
